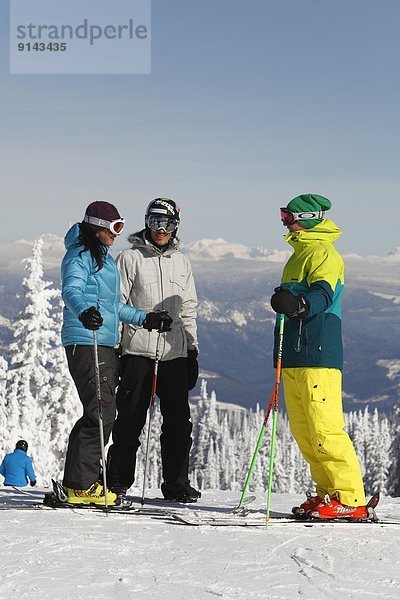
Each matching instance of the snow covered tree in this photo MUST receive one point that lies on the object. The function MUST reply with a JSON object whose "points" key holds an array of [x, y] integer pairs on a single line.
{"points": [[200, 437], [376, 455], [63, 397], [285, 459], [154, 475], [28, 388], [393, 373], [213, 468], [384, 457], [3, 407], [394, 479], [254, 422]]}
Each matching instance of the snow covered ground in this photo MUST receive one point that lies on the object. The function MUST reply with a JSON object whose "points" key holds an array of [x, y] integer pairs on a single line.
{"points": [[65, 554]]}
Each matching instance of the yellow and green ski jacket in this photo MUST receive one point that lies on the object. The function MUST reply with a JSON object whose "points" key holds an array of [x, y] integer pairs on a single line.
{"points": [[316, 271]]}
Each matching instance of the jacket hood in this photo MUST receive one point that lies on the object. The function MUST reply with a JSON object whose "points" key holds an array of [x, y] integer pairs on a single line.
{"points": [[71, 237], [326, 231], [138, 240]]}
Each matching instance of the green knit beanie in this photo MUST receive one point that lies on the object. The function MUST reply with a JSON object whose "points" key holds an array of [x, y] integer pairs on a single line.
{"points": [[309, 203]]}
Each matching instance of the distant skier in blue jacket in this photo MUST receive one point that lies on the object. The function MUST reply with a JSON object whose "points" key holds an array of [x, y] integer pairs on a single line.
{"points": [[91, 294], [17, 467]]}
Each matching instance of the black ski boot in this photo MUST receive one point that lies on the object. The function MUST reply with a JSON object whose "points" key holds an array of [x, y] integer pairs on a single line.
{"points": [[180, 492], [120, 490]]}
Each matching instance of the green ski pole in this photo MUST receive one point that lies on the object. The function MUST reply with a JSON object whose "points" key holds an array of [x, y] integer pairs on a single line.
{"points": [[268, 411], [275, 416]]}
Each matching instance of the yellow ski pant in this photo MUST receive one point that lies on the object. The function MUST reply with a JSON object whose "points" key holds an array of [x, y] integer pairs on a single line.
{"points": [[313, 398]]}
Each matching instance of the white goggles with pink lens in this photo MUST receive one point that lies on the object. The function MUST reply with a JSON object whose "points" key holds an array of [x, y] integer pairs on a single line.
{"points": [[115, 227]]}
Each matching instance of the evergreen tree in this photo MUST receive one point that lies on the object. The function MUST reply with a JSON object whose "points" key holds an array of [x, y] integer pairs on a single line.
{"points": [[29, 408], [63, 397], [393, 368], [394, 478], [285, 459], [200, 437], [383, 443], [4, 426]]}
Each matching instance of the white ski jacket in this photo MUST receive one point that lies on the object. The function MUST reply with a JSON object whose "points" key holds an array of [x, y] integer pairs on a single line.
{"points": [[155, 280]]}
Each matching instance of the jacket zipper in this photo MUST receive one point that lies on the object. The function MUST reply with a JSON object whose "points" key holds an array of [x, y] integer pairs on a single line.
{"points": [[161, 282], [298, 345], [162, 298]]}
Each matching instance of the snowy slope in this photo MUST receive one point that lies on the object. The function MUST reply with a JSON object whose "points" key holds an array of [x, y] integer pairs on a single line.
{"points": [[60, 554]]}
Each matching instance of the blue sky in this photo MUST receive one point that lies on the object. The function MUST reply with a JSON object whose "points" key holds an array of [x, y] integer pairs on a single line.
{"points": [[248, 105]]}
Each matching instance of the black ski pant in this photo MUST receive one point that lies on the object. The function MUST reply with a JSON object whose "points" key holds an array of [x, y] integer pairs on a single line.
{"points": [[133, 399], [82, 463]]}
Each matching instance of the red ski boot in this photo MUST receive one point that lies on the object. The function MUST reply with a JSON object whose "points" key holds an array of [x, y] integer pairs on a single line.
{"points": [[332, 509], [309, 504]]}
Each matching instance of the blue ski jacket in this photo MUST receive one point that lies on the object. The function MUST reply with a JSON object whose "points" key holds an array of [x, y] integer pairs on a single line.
{"points": [[82, 287], [17, 468]]}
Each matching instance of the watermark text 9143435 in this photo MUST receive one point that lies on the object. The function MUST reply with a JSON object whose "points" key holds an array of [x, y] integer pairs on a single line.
{"points": [[105, 40], [42, 47]]}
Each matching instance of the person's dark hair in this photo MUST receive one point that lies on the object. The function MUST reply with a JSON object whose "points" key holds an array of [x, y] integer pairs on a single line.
{"points": [[87, 238]]}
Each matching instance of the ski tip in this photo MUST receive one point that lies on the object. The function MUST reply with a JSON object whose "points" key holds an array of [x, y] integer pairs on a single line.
{"points": [[374, 500], [245, 502], [249, 499], [59, 491]]}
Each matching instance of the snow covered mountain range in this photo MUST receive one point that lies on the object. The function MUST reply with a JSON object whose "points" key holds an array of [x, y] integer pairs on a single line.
{"points": [[234, 284]]}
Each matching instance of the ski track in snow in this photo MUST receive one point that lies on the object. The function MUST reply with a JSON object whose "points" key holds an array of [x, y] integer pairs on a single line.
{"points": [[65, 554]]}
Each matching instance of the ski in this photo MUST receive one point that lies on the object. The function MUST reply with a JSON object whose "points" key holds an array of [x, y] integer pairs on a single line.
{"points": [[31, 506], [243, 509], [58, 491], [133, 510], [247, 519], [260, 521], [23, 492], [196, 520], [59, 499], [151, 512]]}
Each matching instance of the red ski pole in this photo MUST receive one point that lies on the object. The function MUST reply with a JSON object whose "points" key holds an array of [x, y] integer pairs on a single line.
{"points": [[272, 403], [151, 411]]}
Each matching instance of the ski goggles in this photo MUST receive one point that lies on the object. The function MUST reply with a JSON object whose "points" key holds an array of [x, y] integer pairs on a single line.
{"points": [[157, 222], [115, 227], [288, 217]]}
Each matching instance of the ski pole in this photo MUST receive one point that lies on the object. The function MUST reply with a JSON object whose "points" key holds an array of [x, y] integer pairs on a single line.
{"points": [[275, 415], [267, 413], [151, 411], [101, 426]]}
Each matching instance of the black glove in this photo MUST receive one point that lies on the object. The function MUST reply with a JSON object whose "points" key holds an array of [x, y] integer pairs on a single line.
{"points": [[33, 483], [91, 318], [192, 368], [159, 320], [286, 303]]}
